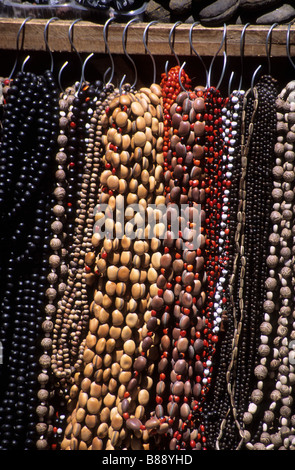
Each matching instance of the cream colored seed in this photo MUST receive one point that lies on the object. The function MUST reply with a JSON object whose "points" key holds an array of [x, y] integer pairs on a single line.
{"points": [[137, 108], [140, 124], [139, 139], [121, 119]]}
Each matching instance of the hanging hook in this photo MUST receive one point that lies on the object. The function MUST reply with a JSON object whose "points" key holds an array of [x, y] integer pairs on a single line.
{"points": [[179, 77], [193, 49], [105, 76], [230, 83], [253, 78], [46, 40], [224, 59], [170, 41], [242, 48], [82, 79], [268, 46], [125, 51], [223, 69], [121, 84], [144, 40], [166, 67], [105, 29], [24, 63], [17, 45], [70, 35], [59, 76], [288, 45]]}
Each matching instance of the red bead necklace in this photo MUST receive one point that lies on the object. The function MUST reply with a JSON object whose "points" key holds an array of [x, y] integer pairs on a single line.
{"points": [[214, 187]]}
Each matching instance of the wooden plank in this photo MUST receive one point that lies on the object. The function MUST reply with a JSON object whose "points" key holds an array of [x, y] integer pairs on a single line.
{"points": [[88, 37]]}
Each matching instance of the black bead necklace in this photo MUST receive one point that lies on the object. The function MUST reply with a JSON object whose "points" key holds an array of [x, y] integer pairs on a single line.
{"points": [[26, 240]]}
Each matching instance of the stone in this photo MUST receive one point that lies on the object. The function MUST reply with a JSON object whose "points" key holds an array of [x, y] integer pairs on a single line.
{"points": [[155, 11], [189, 20], [255, 4], [180, 7], [281, 14], [218, 12]]}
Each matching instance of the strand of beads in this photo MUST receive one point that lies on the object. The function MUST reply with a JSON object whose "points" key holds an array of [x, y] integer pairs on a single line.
{"points": [[213, 149], [271, 402], [247, 350], [128, 139], [121, 368], [48, 121], [239, 262], [217, 402], [189, 283], [32, 140], [256, 236], [95, 152], [73, 308], [8, 300], [135, 406], [56, 276], [90, 189], [171, 88]]}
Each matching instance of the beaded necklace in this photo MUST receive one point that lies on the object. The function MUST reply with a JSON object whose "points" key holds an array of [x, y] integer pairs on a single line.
{"points": [[170, 89], [213, 150], [239, 389], [217, 404], [186, 171], [73, 308], [30, 139], [58, 270], [118, 142], [245, 143], [268, 426]]}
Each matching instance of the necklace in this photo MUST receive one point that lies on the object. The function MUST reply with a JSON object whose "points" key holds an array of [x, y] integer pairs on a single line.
{"points": [[217, 403], [33, 98], [271, 401]]}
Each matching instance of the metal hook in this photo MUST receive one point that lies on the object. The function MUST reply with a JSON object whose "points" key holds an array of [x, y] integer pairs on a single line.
{"points": [[17, 45], [70, 35], [242, 47], [105, 76], [166, 68], [46, 40], [82, 79], [170, 41], [179, 77], [121, 84], [59, 76], [288, 45], [223, 69], [253, 78], [125, 51], [230, 83], [144, 37], [192, 47], [24, 63], [105, 28], [268, 46], [212, 61]]}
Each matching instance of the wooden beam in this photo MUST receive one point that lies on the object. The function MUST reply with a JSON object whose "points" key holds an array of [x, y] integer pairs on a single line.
{"points": [[88, 37]]}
